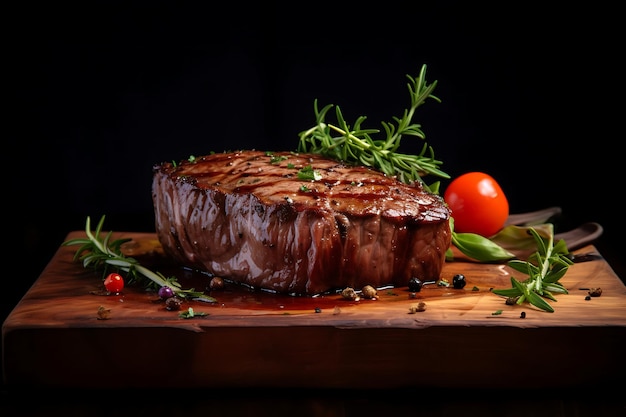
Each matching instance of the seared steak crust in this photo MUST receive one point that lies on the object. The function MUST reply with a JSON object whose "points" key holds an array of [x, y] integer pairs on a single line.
{"points": [[248, 217]]}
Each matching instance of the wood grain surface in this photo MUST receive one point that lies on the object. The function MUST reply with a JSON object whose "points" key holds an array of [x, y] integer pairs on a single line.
{"points": [[254, 338]]}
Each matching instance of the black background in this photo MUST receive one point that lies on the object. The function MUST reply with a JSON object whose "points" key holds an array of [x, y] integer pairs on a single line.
{"points": [[100, 92]]}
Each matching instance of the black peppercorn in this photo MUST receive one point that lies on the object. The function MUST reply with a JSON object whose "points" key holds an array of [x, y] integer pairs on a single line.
{"points": [[415, 284], [458, 281]]}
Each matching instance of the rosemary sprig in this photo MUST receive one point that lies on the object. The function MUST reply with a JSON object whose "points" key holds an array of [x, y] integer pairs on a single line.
{"points": [[102, 253], [355, 144], [544, 268]]}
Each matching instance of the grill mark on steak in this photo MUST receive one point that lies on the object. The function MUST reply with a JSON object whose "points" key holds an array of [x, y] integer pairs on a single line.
{"points": [[246, 216]]}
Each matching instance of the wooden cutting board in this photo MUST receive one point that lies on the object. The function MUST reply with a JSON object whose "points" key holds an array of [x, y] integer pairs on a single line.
{"points": [[58, 336]]}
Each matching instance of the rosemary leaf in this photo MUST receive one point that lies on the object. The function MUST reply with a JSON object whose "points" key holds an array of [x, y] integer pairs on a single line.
{"points": [[536, 300]]}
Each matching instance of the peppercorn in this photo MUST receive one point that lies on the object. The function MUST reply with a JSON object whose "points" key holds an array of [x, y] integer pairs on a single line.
{"points": [[216, 283], [173, 303], [458, 281], [369, 292], [421, 306], [415, 284], [104, 313], [595, 292], [349, 294]]}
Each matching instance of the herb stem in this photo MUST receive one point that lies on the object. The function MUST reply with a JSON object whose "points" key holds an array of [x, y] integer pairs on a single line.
{"points": [[544, 269], [98, 253], [355, 145]]}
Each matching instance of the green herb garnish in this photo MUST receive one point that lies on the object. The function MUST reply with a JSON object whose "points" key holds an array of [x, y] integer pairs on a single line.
{"points": [[308, 173], [190, 313], [102, 253], [544, 268], [277, 159], [355, 144]]}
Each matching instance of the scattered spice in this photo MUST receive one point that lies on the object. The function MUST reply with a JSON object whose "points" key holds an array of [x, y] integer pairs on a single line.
{"points": [[349, 294], [104, 313], [511, 301], [369, 292], [595, 292], [173, 303], [217, 283], [421, 306]]}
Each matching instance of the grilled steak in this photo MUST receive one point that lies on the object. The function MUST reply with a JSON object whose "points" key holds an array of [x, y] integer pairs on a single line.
{"points": [[251, 217]]}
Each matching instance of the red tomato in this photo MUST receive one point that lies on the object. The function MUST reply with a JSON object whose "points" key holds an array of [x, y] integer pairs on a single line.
{"points": [[478, 204], [114, 283]]}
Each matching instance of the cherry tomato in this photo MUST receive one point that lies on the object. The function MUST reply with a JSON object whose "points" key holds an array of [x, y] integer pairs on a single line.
{"points": [[114, 283], [478, 204]]}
